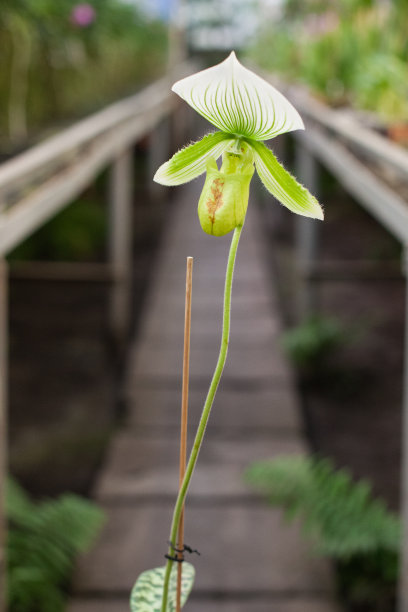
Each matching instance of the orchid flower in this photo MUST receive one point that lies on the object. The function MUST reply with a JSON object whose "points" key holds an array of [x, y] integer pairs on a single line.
{"points": [[247, 110]]}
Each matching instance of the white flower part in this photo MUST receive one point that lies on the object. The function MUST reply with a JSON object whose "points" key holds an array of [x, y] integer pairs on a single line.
{"points": [[239, 102]]}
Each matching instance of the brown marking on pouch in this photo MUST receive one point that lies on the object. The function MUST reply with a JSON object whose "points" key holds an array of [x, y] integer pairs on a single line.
{"points": [[215, 201]]}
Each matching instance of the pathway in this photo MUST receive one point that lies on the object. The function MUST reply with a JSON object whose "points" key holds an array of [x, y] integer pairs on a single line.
{"points": [[251, 561]]}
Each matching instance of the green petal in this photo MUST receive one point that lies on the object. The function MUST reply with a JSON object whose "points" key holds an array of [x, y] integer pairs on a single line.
{"points": [[237, 101], [282, 185], [147, 592], [190, 162], [224, 199]]}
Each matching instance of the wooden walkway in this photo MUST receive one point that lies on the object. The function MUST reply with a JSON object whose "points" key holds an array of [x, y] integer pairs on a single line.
{"points": [[251, 561]]}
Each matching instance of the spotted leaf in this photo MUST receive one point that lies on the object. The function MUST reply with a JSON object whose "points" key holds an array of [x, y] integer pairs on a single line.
{"points": [[147, 593]]}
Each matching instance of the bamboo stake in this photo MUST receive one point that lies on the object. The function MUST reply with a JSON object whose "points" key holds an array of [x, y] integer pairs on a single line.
{"points": [[184, 417]]}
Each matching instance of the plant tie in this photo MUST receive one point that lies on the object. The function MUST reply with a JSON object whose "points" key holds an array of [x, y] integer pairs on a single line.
{"points": [[180, 551]]}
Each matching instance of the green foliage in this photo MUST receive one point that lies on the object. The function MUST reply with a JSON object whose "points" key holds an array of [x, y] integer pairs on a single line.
{"points": [[43, 542], [342, 520], [77, 233], [311, 343], [351, 52], [54, 69], [147, 593]]}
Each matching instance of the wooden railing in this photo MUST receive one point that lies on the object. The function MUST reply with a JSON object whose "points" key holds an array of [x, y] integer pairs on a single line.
{"points": [[45, 179], [357, 157]]}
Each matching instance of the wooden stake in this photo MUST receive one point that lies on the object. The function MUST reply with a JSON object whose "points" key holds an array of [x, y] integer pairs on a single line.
{"points": [[184, 417]]}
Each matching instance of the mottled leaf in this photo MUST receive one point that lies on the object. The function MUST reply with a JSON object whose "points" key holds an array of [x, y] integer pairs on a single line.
{"points": [[147, 593]]}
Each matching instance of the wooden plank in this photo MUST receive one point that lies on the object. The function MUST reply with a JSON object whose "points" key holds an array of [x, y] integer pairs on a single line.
{"points": [[206, 269], [376, 197], [120, 242], [248, 293], [165, 331], [139, 466], [303, 603], [273, 411], [374, 145], [273, 558], [35, 209], [307, 234], [159, 151], [254, 305], [276, 604], [356, 270], [402, 602]]}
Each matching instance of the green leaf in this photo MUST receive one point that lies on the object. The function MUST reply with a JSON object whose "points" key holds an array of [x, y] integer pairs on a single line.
{"points": [[341, 517], [238, 101], [147, 593], [282, 185], [43, 541], [190, 162]]}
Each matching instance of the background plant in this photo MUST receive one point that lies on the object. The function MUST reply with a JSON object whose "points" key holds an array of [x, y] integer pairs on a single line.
{"points": [[349, 52], [343, 521], [312, 343], [43, 541]]}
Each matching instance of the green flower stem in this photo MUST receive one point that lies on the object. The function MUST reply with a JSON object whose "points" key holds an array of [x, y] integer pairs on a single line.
{"points": [[206, 410]]}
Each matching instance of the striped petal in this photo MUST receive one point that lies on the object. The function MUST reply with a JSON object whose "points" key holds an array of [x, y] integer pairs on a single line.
{"points": [[190, 162], [237, 101], [282, 185]]}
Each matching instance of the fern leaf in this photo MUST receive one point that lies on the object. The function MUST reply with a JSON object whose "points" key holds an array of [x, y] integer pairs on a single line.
{"points": [[339, 515], [43, 542]]}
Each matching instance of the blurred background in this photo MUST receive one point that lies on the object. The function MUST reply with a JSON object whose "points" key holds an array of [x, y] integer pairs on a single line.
{"points": [[343, 312], [350, 52]]}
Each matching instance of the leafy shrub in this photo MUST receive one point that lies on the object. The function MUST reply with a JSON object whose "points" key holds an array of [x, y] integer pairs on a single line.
{"points": [[342, 520], [318, 43], [43, 542], [311, 343]]}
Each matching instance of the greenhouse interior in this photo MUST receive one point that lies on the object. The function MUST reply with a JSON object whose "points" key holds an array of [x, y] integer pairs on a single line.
{"points": [[204, 306]]}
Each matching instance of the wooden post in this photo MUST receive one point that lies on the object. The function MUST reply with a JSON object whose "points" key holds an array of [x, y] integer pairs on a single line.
{"points": [[120, 243], [184, 418], [176, 33], [276, 216], [3, 424], [159, 152], [179, 127], [403, 573], [306, 233]]}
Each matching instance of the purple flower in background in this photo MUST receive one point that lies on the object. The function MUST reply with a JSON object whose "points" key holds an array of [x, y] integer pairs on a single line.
{"points": [[83, 15], [319, 25]]}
